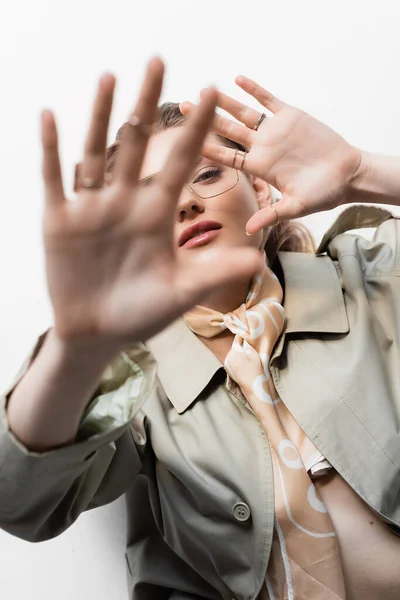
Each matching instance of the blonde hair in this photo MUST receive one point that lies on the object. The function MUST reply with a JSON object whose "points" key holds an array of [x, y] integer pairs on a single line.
{"points": [[286, 236]]}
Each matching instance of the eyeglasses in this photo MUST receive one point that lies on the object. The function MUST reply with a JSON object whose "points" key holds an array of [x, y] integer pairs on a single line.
{"points": [[207, 182]]}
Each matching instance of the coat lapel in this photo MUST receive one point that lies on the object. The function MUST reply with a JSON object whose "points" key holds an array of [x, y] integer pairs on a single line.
{"points": [[313, 303]]}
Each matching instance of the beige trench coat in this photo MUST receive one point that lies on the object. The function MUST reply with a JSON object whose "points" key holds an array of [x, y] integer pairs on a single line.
{"points": [[194, 461]]}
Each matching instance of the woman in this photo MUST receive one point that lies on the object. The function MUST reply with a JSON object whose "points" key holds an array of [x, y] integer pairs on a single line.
{"points": [[260, 454]]}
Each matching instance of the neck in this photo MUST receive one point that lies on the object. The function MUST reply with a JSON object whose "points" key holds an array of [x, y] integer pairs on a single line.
{"points": [[228, 297]]}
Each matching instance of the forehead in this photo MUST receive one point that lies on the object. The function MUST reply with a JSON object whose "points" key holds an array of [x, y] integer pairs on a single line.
{"points": [[158, 150]]}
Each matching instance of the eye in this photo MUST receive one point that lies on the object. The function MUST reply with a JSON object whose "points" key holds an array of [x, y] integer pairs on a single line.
{"points": [[208, 174]]}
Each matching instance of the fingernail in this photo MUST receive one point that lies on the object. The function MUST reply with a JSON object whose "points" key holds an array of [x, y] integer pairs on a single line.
{"points": [[156, 58], [104, 77], [209, 87], [46, 116], [249, 234]]}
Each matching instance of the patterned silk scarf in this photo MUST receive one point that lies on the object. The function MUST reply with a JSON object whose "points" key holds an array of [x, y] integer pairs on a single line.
{"points": [[305, 560]]}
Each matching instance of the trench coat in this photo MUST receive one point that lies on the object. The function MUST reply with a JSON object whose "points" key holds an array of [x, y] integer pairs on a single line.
{"points": [[168, 428]]}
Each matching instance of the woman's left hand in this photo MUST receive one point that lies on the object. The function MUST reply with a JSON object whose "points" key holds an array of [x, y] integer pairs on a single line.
{"points": [[310, 164]]}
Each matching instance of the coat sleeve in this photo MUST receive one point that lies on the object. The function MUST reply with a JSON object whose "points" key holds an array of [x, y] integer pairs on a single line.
{"points": [[42, 494]]}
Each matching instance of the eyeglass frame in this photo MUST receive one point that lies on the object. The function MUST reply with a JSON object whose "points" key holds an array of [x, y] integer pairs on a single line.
{"points": [[190, 187]]}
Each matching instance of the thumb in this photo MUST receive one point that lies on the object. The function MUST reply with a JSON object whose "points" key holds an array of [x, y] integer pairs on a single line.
{"points": [[283, 210], [186, 107]]}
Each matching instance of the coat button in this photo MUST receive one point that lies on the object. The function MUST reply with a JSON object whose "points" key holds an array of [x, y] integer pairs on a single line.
{"points": [[241, 511]]}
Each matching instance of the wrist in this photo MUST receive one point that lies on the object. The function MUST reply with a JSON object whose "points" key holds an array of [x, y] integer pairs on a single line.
{"points": [[377, 180], [359, 177], [92, 353]]}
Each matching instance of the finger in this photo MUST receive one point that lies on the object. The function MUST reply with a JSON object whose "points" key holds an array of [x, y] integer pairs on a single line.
{"points": [[245, 114], [215, 268], [223, 155], [283, 210], [264, 97], [188, 148], [137, 131], [53, 186], [225, 127], [186, 107], [93, 166]]}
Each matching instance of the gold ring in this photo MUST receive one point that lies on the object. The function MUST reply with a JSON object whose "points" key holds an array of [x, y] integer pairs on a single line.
{"points": [[141, 127], [259, 121], [272, 207], [242, 155]]}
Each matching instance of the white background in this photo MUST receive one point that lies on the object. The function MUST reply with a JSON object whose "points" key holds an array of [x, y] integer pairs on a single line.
{"points": [[338, 60]]}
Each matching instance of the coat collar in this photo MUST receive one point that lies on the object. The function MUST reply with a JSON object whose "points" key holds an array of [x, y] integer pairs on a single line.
{"points": [[313, 303], [313, 299], [184, 364]]}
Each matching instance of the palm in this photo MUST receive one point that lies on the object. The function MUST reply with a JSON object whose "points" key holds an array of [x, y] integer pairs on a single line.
{"points": [[310, 164], [301, 157], [112, 270], [100, 266]]}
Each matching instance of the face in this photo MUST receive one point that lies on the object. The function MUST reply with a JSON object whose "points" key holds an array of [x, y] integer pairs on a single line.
{"points": [[222, 219]]}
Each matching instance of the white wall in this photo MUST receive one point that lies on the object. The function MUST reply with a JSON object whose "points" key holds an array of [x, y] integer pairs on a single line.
{"points": [[338, 60]]}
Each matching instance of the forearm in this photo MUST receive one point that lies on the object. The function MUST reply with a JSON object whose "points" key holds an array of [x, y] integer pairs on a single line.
{"points": [[377, 180], [46, 407]]}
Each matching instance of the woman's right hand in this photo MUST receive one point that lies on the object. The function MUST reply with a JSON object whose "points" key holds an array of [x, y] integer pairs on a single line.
{"points": [[113, 273]]}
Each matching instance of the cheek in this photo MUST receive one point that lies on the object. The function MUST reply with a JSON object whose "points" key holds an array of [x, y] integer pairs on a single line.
{"points": [[247, 207], [241, 203], [239, 207]]}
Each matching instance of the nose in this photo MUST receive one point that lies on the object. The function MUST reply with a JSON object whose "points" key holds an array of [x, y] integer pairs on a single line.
{"points": [[189, 205]]}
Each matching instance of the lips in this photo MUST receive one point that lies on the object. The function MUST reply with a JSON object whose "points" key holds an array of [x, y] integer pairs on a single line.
{"points": [[197, 229]]}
